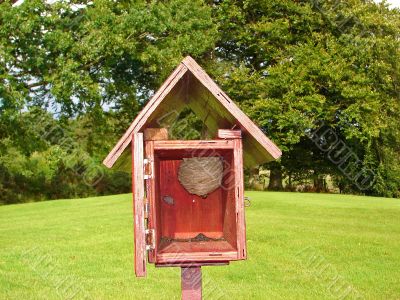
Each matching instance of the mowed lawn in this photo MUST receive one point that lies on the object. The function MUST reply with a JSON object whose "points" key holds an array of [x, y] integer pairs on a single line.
{"points": [[300, 246]]}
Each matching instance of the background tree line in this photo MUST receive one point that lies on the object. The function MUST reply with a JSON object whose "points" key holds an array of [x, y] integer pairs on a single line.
{"points": [[74, 74]]}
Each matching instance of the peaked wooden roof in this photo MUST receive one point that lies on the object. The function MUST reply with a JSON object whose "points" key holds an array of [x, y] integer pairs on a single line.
{"points": [[190, 86]]}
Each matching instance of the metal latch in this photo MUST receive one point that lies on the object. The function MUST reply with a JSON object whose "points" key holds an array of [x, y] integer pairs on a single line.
{"points": [[150, 239], [247, 201], [148, 168]]}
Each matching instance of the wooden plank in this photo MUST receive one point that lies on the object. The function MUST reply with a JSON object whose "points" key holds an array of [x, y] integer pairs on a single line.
{"points": [[229, 134], [187, 215], [144, 114], [167, 112], [213, 247], [155, 134], [151, 196], [138, 204], [165, 117], [203, 104], [207, 119], [215, 116], [193, 144], [230, 215], [191, 283], [183, 257], [242, 118], [190, 85], [193, 264], [158, 227], [124, 163], [239, 196], [210, 105]]}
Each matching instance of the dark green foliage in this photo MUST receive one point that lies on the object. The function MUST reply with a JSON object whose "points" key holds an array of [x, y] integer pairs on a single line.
{"points": [[72, 78], [293, 65], [108, 53], [47, 159], [92, 67]]}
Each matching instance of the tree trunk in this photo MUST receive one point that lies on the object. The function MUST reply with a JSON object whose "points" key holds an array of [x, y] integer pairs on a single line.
{"points": [[319, 183], [275, 180]]}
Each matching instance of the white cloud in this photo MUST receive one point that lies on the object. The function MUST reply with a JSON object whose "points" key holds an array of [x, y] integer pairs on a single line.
{"points": [[393, 3]]}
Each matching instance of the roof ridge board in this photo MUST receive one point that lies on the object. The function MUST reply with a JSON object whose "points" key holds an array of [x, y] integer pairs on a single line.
{"points": [[189, 64], [124, 141], [206, 80]]}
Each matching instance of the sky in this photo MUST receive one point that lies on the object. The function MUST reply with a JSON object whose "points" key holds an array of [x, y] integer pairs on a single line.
{"points": [[393, 3]]}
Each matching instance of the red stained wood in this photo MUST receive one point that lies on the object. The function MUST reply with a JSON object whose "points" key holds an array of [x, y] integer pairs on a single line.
{"points": [[239, 197], [230, 212], [158, 225], [177, 258], [243, 120], [155, 134], [188, 215], [194, 264], [211, 247], [184, 216], [176, 215], [190, 85], [191, 283], [193, 145], [138, 204], [152, 195], [229, 134], [171, 154]]}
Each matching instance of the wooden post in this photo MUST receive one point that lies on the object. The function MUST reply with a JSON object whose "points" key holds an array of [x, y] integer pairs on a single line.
{"points": [[191, 283]]}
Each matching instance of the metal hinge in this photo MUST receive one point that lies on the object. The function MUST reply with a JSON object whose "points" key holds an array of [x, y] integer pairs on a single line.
{"points": [[147, 168], [146, 208], [150, 239]]}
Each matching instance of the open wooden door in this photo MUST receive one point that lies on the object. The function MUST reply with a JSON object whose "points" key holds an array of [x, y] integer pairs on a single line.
{"points": [[138, 204]]}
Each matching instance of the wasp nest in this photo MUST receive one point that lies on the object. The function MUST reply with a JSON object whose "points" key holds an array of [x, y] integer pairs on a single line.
{"points": [[201, 175]]}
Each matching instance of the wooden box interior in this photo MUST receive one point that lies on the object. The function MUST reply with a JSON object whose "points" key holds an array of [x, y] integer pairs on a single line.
{"points": [[189, 224]]}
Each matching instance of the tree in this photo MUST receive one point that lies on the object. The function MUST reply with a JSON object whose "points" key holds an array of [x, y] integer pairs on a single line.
{"points": [[73, 75], [294, 64], [87, 55]]}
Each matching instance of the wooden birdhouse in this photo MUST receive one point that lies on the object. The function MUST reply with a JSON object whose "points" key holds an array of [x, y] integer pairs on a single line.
{"points": [[188, 194]]}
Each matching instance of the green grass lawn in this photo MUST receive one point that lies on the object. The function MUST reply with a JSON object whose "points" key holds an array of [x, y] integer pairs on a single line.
{"points": [[300, 246]]}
